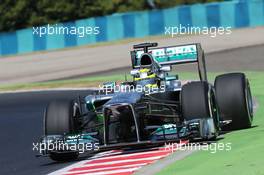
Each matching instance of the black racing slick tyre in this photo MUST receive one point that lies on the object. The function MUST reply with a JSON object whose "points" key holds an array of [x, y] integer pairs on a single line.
{"points": [[197, 101], [234, 100], [59, 120]]}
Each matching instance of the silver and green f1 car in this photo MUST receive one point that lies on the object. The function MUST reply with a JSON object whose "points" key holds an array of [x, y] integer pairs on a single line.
{"points": [[154, 108]]}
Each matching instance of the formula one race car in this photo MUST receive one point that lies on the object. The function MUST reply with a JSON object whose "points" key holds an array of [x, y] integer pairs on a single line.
{"points": [[153, 109]]}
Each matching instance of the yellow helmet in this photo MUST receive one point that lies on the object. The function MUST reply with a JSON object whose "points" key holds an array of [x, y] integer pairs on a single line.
{"points": [[145, 73]]}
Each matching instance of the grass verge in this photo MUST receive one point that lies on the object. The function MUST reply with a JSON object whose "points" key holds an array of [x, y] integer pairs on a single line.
{"points": [[246, 155], [93, 81]]}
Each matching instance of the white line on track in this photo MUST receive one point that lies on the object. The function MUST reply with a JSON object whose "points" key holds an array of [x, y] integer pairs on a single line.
{"points": [[107, 168], [117, 160], [122, 161], [113, 172], [134, 154]]}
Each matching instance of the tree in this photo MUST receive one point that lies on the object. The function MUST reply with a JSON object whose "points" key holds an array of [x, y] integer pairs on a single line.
{"points": [[17, 14]]}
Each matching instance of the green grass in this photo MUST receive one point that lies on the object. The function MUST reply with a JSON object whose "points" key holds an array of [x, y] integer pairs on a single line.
{"points": [[93, 81], [247, 153]]}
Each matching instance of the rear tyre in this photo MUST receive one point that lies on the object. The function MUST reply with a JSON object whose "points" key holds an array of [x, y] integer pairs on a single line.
{"points": [[59, 120], [234, 100]]}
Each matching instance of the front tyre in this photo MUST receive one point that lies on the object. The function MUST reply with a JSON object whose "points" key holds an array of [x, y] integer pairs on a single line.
{"points": [[198, 102], [59, 120]]}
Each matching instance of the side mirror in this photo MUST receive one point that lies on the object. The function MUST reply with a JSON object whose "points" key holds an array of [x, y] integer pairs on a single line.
{"points": [[165, 68]]}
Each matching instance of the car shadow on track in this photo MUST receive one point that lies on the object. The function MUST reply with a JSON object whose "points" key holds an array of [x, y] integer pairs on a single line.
{"points": [[84, 157]]}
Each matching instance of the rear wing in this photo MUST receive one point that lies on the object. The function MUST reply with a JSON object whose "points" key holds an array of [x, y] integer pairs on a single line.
{"points": [[173, 55]]}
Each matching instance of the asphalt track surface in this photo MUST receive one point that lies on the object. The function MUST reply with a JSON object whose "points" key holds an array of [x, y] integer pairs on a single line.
{"points": [[239, 59], [21, 116]]}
